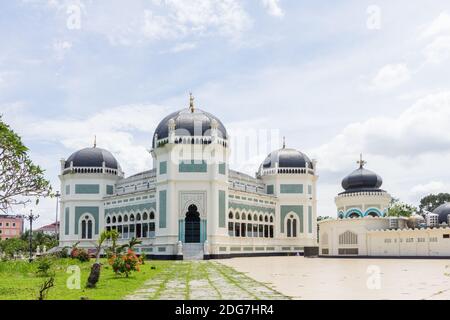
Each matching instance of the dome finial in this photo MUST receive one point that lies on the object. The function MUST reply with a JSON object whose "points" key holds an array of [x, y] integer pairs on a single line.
{"points": [[361, 162], [191, 103], [95, 141], [284, 142]]}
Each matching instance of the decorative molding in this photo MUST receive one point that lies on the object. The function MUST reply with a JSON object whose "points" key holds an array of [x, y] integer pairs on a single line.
{"points": [[197, 198]]}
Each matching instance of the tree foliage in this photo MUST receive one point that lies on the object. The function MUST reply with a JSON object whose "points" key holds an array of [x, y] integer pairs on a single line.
{"points": [[20, 179], [13, 246], [40, 239], [400, 209], [432, 201]]}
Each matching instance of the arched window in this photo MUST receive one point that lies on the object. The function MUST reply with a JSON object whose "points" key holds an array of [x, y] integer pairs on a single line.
{"points": [[119, 220], [243, 216], [249, 217], [255, 218], [348, 238], [289, 228], [86, 228], [238, 216], [108, 220], [125, 218], [114, 219], [132, 218], [271, 219], [261, 219], [294, 228], [138, 217], [152, 216], [230, 215], [145, 217], [373, 214], [266, 219]]}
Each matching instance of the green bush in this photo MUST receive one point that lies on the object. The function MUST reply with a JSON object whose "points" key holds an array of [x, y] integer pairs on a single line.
{"points": [[44, 267]]}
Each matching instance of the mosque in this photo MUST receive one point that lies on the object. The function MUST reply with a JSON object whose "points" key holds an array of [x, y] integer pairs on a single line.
{"points": [[362, 228], [191, 205]]}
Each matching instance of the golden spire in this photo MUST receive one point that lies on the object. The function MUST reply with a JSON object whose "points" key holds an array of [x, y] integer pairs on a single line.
{"points": [[361, 162], [191, 103], [95, 141]]}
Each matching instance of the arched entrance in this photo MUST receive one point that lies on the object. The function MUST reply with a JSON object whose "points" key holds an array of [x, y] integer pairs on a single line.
{"points": [[192, 225]]}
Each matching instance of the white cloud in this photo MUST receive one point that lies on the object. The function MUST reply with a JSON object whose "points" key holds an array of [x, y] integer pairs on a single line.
{"points": [[391, 76], [115, 132], [273, 8], [181, 47], [61, 48], [438, 50], [439, 26], [421, 129], [437, 33], [433, 187]]}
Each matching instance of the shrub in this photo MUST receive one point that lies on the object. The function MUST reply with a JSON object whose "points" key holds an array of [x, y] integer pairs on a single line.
{"points": [[125, 264], [80, 254], [64, 253], [44, 266]]}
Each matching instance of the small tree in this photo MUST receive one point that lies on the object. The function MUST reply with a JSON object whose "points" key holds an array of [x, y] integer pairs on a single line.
{"points": [[400, 209], [20, 179], [94, 276]]}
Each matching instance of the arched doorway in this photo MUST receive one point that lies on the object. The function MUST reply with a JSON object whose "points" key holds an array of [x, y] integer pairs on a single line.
{"points": [[192, 225]]}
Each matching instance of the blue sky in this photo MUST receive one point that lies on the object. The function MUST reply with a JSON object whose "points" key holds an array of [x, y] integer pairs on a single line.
{"points": [[335, 77]]}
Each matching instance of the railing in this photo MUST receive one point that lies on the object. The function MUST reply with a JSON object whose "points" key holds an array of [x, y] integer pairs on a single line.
{"points": [[91, 170], [275, 171], [363, 193]]}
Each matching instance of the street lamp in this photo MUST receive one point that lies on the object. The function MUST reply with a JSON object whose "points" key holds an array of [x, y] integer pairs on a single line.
{"points": [[57, 196], [31, 217]]}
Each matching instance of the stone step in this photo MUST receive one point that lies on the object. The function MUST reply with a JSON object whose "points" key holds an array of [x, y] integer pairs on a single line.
{"points": [[193, 251]]}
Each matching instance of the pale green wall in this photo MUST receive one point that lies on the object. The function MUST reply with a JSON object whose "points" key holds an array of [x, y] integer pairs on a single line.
{"points": [[285, 210], [163, 167], [163, 209], [87, 189], [222, 213], [94, 211], [193, 166], [291, 188]]}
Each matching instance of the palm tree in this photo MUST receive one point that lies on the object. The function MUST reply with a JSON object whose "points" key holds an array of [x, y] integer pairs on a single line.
{"points": [[94, 276]]}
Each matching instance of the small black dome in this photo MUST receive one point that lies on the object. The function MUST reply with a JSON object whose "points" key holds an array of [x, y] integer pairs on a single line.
{"points": [[287, 158], [362, 180], [92, 157], [443, 211], [190, 123]]}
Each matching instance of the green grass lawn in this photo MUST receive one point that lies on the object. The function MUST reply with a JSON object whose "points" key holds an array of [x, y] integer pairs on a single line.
{"points": [[18, 281]]}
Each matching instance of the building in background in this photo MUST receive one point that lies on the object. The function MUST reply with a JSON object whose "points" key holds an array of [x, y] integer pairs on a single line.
{"points": [[50, 230], [362, 228], [11, 226]]}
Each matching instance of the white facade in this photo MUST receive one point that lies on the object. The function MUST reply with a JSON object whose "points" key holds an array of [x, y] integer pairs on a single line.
{"points": [[373, 237], [191, 202]]}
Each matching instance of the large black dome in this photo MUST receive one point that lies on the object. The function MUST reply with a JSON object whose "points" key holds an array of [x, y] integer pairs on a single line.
{"points": [[443, 211], [362, 180], [190, 122], [92, 157], [287, 158]]}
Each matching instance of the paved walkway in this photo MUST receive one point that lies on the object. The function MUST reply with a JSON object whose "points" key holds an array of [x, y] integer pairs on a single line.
{"points": [[203, 280], [350, 279]]}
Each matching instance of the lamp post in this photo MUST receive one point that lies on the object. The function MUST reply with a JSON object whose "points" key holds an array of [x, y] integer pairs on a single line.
{"points": [[57, 196], [31, 217]]}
